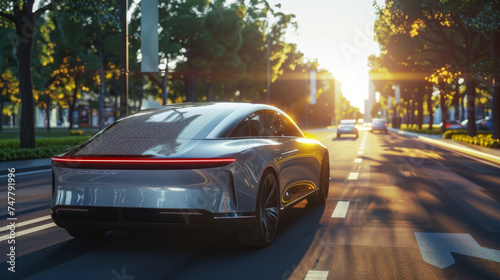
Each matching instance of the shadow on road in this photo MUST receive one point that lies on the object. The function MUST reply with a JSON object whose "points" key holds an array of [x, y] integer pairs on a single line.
{"points": [[181, 255]]}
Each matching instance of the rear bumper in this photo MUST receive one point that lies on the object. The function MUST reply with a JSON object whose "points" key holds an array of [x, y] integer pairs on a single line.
{"points": [[149, 219], [347, 131]]}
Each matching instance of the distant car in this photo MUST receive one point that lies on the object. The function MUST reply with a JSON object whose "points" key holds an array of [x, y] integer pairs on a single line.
{"points": [[482, 124], [361, 122], [231, 166], [347, 126], [379, 125], [453, 125]]}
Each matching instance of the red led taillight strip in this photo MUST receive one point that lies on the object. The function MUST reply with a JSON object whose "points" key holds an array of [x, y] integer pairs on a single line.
{"points": [[139, 163]]}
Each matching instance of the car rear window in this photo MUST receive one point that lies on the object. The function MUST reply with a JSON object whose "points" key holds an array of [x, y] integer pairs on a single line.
{"points": [[158, 132]]}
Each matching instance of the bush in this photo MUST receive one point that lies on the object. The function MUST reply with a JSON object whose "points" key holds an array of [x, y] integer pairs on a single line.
{"points": [[449, 133], [484, 140], [45, 147]]}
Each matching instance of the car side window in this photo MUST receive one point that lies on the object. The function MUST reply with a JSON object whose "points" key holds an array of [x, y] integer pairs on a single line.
{"points": [[266, 123], [272, 124], [262, 124], [289, 128], [242, 129]]}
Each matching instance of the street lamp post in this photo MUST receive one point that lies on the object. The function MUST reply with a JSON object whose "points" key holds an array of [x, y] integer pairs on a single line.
{"points": [[124, 60], [268, 82]]}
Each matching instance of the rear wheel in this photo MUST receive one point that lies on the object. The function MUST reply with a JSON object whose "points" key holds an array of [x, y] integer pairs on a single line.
{"points": [[86, 234], [268, 210], [338, 135], [321, 195]]}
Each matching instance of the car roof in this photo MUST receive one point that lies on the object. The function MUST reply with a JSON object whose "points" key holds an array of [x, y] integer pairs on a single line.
{"points": [[348, 121], [165, 130], [220, 116]]}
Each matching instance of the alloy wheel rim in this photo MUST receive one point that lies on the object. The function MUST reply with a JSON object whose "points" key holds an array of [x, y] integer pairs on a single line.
{"points": [[270, 207]]}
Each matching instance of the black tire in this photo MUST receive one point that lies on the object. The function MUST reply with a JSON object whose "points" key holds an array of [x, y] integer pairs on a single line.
{"points": [[338, 135], [357, 135], [267, 210], [321, 195], [85, 234]]}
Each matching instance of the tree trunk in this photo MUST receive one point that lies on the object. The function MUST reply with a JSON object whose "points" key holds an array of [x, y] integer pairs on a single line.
{"points": [[495, 108], [207, 86], [141, 96], [395, 117], [190, 81], [1, 112], [102, 89], [420, 109], [456, 101], [442, 103], [165, 89], [47, 112], [495, 99], [470, 91], [72, 105], [430, 108], [25, 36]]}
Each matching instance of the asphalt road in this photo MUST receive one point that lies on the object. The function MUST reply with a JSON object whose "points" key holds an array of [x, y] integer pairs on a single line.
{"points": [[397, 209]]}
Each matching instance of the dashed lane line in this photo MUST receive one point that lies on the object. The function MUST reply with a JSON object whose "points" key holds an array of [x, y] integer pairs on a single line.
{"points": [[340, 210], [353, 176], [28, 231], [29, 222], [316, 275]]}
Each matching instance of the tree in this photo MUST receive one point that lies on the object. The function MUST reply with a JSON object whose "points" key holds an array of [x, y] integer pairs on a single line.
{"points": [[439, 28], [8, 65], [99, 31], [487, 22], [23, 17]]}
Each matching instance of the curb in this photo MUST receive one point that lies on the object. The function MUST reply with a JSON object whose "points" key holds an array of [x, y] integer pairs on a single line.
{"points": [[448, 146]]}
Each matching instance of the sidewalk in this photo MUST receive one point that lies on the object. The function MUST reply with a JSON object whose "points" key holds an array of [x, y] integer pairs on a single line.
{"points": [[488, 154], [25, 165]]}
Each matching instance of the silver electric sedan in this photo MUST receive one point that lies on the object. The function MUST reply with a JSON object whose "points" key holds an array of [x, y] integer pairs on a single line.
{"points": [[232, 166]]}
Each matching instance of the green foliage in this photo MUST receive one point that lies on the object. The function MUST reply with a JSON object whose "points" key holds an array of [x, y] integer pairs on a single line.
{"points": [[450, 133], [45, 147], [483, 140]]}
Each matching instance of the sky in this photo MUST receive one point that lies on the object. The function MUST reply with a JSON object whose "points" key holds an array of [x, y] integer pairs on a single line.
{"points": [[339, 34]]}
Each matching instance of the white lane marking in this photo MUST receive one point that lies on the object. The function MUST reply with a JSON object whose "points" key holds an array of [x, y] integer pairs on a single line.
{"points": [[358, 160], [28, 231], [29, 222], [341, 209], [361, 148], [436, 248], [360, 152], [28, 173], [316, 275], [353, 176]]}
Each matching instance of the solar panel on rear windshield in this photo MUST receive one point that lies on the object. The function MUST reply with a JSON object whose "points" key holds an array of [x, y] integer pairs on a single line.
{"points": [[158, 132]]}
